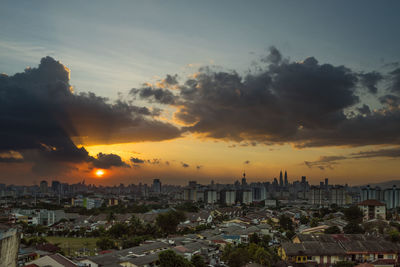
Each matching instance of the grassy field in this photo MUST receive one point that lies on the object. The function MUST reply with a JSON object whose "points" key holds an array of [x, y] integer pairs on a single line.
{"points": [[72, 246]]}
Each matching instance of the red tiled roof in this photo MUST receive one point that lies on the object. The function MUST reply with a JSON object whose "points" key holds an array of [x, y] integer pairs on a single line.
{"points": [[371, 202], [105, 252]]}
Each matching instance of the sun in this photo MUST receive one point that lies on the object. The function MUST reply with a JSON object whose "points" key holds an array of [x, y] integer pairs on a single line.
{"points": [[100, 173]]}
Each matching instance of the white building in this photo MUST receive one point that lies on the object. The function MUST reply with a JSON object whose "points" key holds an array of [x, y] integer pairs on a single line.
{"points": [[247, 197], [372, 209], [211, 197]]}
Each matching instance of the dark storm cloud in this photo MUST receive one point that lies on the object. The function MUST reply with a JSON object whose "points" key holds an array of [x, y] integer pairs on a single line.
{"points": [[370, 81], [305, 103], [364, 110], [106, 161], [42, 119]]}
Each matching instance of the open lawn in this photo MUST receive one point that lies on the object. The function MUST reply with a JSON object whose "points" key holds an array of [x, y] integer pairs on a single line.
{"points": [[75, 246]]}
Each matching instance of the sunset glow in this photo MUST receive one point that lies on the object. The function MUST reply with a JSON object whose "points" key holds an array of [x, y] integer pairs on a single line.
{"points": [[197, 100], [99, 173]]}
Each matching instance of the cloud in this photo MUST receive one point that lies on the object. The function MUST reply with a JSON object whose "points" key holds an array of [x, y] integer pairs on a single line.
{"points": [[137, 160], [370, 81], [185, 165], [364, 110], [106, 161], [395, 79], [43, 120], [11, 160], [198, 167], [324, 162], [159, 95], [307, 103], [154, 161], [387, 153], [247, 162], [329, 161]]}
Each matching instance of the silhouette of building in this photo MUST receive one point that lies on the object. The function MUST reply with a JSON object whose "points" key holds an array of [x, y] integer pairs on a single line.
{"points": [[286, 180], [156, 186], [44, 187]]}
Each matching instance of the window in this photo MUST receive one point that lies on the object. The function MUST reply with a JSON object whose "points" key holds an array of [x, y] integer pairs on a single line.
{"points": [[380, 256], [390, 256], [309, 258]]}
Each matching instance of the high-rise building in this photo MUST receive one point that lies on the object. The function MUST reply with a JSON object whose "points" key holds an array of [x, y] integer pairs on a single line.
{"points": [[192, 184], [286, 180], [280, 179], [392, 197], [326, 183], [247, 197], [210, 196], [44, 187], [244, 182], [9, 243], [337, 195], [156, 186], [56, 187], [228, 197], [371, 193]]}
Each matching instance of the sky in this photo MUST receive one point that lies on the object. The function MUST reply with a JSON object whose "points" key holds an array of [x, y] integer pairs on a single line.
{"points": [[201, 90]]}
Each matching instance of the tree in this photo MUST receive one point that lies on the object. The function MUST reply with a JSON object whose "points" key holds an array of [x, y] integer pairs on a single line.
{"points": [[118, 230], [263, 257], [286, 222], [169, 258], [353, 228], [110, 217], [169, 221], [105, 243], [394, 236], [135, 226], [353, 214], [314, 222], [198, 261], [238, 257], [254, 238], [332, 230], [132, 242], [265, 239], [304, 219], [188, 207]]}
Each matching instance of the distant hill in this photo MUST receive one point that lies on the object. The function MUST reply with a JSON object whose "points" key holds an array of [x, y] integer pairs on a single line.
{"points": [[385, 184]]}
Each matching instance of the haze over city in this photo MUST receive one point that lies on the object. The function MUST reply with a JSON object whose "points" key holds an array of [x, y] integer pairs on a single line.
{"points": [[199, 91]]}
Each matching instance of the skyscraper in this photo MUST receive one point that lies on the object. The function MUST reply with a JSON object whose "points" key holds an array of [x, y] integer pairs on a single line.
{"points": [[43, 187], [286, 180], [280, 179], [56, 186], [244, 182], [156, 186]]}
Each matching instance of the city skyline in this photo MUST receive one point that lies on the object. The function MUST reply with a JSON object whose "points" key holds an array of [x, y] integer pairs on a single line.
{"points": [[121, 99]]}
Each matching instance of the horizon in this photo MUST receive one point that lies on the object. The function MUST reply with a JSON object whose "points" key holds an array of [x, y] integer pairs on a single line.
{"points": [[101, 93]]}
